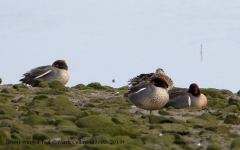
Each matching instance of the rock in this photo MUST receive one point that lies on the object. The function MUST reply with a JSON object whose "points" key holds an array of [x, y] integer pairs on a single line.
{"points": [[16, 99]]}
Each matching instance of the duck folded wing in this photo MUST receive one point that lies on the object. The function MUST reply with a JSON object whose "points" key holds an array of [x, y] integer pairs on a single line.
{"points": [[183, 101], [136, 88], [36, 73], [175, 92]]}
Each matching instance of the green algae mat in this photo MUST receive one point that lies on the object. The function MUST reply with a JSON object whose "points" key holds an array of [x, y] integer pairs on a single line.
{"points": [[98, 117]]}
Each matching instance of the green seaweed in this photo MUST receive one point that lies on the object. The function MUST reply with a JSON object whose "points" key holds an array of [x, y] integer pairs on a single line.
{"points": [[235, 144], [96, 85], [3, 137], [40, 83], [214, 93], [81, 87], [23, 130], [203, 121], [5, 90], [19, 86], [219, 129], [35, 120], [214, 147], [232, 119], [160, 119], [63, 106], [9, 110], [40, 136], [68, 127], [101, 124], [162, 112]]}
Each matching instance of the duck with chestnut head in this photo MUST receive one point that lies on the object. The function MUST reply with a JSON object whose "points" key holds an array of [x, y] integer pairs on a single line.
{"points": [[58, 71], [184, 98], [149, 95]]}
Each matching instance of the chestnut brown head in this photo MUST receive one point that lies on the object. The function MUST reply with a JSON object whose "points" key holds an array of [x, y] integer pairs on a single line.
{"points": [[160, 81], [194, 90], [60, 64]]}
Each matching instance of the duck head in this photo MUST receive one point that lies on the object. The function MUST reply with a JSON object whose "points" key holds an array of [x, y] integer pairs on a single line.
{"points": [[194, 90], [159, 81], [160, 71], [60, 64]]}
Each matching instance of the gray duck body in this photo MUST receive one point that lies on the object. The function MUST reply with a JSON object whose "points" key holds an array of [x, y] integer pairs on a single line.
{"points": [[149, 97], [47, 73], [184, 98]]}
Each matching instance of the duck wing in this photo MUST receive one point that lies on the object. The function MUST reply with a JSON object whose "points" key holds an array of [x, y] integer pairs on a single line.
{"points": [[36, 73], [175, 92], [136, 88]]}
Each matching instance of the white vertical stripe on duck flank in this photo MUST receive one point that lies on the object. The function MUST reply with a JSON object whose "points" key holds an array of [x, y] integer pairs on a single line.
{"points": [[189, 101]]}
